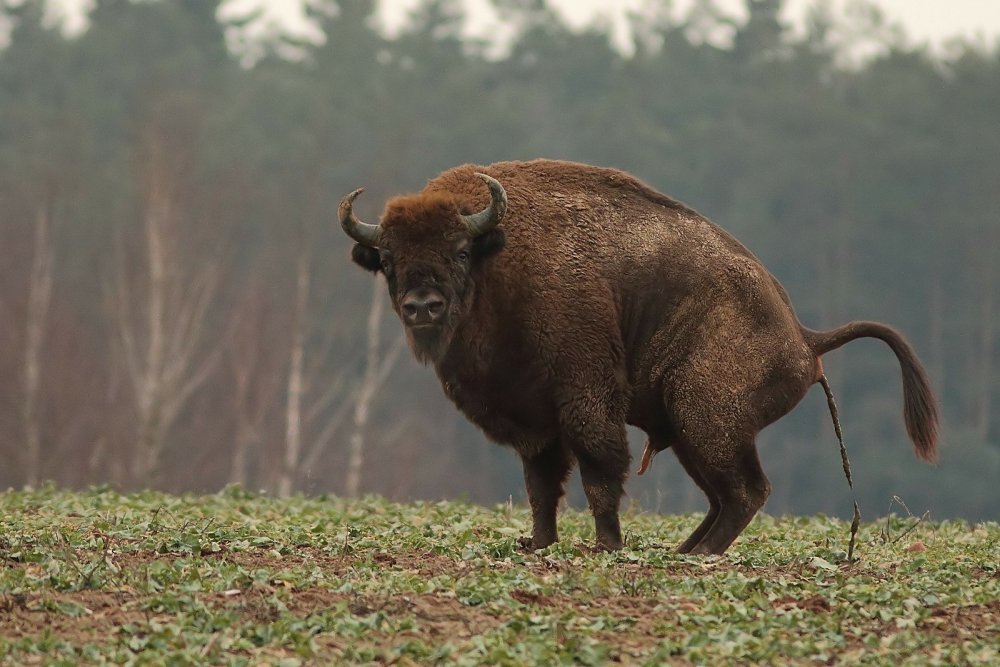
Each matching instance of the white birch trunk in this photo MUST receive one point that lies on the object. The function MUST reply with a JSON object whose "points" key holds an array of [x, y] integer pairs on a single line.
{"points": [[150, 383], [238, 465], [985, 365], [162, 354], [39, 297], [293, 405], [362, 406]]}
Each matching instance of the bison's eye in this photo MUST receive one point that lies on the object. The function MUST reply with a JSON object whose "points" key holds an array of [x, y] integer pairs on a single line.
{"points": [[386, 267], [463, 255]]}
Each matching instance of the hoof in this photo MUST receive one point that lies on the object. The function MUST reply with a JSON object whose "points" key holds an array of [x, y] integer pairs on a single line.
{"points": [[700, 550], [529, 545], [605, 547]]}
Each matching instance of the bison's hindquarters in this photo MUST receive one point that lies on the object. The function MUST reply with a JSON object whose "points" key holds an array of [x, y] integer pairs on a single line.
{"points": [[721, 402]]}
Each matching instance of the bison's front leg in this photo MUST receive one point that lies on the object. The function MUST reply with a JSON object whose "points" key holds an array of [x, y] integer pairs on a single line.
{"points": [[603, 482], [601, 449], [545, 474]]}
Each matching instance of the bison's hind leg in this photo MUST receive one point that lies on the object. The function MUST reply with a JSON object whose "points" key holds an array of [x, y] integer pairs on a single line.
{"points": [[714, 500], [660, 440], [729, 472], [717, 447]]}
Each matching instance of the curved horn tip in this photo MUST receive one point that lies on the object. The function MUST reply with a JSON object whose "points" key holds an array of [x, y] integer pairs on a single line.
{"points": [[361, 232], [493, 183], [349, 199], [482, 222], [494, 213]]}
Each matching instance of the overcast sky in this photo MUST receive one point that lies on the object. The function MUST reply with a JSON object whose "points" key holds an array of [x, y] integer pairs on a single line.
{"points": [[931, 21]]}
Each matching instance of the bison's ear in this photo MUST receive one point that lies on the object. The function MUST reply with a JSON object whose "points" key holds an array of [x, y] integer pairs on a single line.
{"points": [[366, 257], [488, 244]]}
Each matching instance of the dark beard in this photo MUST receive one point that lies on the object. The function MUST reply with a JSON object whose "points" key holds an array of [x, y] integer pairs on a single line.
{"points": [[428, 344]]}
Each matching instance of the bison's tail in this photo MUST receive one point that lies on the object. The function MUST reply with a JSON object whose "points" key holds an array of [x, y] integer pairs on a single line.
{"points": [[919, 406]]}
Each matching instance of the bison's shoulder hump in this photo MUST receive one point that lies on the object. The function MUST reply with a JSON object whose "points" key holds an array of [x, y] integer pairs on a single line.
{"points": [[534, 178]]}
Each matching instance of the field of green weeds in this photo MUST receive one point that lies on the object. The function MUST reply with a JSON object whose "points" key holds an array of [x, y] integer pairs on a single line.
{"points": [[237, 578]]}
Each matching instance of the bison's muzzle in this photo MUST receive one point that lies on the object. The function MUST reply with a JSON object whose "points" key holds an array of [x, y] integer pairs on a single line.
{"points": [[423, 306]]}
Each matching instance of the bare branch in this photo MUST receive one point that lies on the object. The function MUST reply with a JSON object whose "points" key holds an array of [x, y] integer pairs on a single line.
{"points": [[323, 439], [319, 405]]}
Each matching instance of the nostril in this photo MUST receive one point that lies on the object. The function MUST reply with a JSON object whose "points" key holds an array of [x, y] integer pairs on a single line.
{"points": [[423, 307], [435, 307]]}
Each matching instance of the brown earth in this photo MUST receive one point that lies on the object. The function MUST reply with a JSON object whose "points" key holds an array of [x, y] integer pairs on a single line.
{"points": [[96, 616]]}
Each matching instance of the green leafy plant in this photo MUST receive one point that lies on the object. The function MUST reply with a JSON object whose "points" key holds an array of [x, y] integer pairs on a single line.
{"points": [[238, 579]]}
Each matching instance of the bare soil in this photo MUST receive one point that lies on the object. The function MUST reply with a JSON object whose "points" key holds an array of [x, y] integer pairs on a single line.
{"points": [[95, 616]]}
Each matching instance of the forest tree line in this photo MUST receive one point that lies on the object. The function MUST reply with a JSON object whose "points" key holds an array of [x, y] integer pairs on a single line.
{"points": [[177, 305]]}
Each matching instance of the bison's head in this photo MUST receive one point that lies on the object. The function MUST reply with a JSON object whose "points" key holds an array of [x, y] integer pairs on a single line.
{"points": [[430, 251]]}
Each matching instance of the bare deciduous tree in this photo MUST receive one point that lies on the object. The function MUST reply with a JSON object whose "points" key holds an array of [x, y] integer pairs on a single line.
{"points": [[162, 324], [293, 402], [317, 406], [986, 345], [254, 375], [39, 297], [378, 365]]}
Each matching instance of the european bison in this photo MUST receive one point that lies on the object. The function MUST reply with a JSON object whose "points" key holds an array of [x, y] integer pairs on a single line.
{"points": [[563, 301]]}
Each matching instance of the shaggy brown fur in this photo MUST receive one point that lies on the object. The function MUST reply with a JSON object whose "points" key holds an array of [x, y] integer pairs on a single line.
{"points": [[599, 302]]}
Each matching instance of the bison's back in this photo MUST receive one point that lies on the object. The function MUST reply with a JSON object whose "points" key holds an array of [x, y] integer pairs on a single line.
{"points": [[596, 252], [603, 214]]}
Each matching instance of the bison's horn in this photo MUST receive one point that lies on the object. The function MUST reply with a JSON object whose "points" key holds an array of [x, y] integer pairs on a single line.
{"points": [[361, 232], [482, 222]]}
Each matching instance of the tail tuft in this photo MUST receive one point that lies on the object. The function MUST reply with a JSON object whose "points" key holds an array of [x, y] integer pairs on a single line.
{"points": [[920, 411], [919, 406]]}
